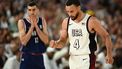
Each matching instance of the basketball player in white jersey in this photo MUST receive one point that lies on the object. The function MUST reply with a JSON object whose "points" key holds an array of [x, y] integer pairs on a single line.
{"points": [[80, 30]]}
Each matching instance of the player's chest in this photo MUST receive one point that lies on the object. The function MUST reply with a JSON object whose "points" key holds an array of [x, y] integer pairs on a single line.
{"points": [[77, 30]]}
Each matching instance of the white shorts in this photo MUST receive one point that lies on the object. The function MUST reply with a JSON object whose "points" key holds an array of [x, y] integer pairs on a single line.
{"points": [[82, 62]]}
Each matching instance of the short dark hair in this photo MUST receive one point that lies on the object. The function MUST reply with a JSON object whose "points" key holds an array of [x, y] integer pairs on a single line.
{"points": [[72, 2], [32, 3]]}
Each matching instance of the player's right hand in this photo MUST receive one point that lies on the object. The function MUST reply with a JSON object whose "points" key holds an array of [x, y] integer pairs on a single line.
{"points": [[52, 43]]}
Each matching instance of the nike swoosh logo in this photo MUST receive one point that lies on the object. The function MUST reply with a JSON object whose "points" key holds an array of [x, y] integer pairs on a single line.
{"points": [[83, 23], [84, 59], [70, 24]]}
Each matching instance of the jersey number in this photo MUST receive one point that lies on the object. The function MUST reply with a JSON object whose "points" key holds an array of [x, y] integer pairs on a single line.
{"points": [[36, 40], [76, 44]]}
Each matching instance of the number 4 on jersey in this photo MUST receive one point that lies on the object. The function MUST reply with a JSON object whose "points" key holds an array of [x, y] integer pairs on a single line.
{"points": [[76, 44]]}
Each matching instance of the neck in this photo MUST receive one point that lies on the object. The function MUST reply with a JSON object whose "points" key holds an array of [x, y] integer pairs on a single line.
{"points": [[80, 17]]}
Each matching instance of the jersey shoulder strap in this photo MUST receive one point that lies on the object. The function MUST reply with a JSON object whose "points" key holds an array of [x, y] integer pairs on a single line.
{"points": [[68, 22], [24, 19]]}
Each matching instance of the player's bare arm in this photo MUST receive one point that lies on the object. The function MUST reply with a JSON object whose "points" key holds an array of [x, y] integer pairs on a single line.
{"points": [[63, 36], [24, 37], [43, 35], [94, 25]]}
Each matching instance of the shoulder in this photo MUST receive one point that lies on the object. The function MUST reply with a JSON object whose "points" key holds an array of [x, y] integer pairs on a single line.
{"points": [[93, 21], [65, 21], [20, 21]]}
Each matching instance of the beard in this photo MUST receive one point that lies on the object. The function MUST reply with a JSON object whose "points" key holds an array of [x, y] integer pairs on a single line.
{"points": [[74, 17]]}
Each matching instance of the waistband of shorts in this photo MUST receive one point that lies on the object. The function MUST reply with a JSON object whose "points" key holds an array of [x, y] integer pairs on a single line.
{"points": [[92, 53], [34, 54]]}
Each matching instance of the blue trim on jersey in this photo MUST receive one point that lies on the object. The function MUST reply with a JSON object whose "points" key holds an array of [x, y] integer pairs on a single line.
{"points": [[34, 45]]}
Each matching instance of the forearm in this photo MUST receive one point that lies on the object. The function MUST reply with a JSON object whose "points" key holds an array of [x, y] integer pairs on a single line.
{"points": [[25, 38], [63, 38], [42, 35], [108, 44]]}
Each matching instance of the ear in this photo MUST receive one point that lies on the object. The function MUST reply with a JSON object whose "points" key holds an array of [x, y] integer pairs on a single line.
{"points": [[79, 7]]}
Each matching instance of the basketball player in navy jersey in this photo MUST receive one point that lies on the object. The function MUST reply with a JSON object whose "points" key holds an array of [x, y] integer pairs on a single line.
{"points": [[80, 29], [34, 37]]}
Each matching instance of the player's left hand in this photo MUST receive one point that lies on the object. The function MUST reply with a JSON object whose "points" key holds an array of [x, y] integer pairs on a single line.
{"points": [[109, 59]]}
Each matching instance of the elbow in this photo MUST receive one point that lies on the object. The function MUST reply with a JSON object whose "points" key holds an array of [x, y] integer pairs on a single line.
{"points": [[23, 42], [46, 41], [106, 36]]}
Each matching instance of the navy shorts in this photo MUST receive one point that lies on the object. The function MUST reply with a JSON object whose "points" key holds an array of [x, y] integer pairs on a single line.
{"points": [[29, 61]]}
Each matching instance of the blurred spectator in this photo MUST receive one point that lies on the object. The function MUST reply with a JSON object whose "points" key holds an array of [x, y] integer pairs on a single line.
{"points": [[65, 61], [48, 59], [118, 58], [14, 20], [3, 21], [108, 11], [117, 53], [60, 57], [3, 58], [98, 65], [101, 59], [13, 62]]}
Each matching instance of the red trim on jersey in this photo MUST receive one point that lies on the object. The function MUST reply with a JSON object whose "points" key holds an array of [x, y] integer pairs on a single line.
{"points": [[92, 61]]}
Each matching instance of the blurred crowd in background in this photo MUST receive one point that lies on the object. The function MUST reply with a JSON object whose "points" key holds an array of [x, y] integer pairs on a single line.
{"points": [[109, 12]]}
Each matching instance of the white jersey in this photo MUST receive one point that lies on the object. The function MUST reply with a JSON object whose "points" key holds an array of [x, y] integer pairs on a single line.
{"points": [[81, 40]]}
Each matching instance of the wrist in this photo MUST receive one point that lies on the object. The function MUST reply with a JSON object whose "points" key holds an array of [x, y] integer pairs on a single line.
{"points": [[36, 26], [32, 26], [110, 55], [56, 43]]}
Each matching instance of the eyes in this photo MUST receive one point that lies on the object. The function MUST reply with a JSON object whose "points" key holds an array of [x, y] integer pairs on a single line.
{"points": [[70, 11], [31, 9]]}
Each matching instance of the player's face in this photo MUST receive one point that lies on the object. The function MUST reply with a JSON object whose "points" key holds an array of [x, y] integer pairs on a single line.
{"points": [[32, 10], [72, 11]]}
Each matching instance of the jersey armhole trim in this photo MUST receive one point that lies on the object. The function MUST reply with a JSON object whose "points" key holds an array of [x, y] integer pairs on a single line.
{"points": [[87, 24], [68, 24], [23, 20]]}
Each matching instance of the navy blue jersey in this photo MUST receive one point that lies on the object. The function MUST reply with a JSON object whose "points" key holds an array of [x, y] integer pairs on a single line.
{"points": [[35, 44]]}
